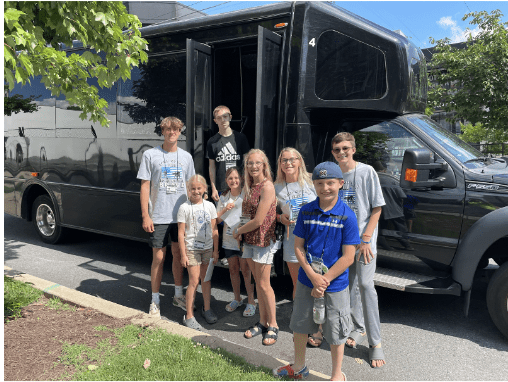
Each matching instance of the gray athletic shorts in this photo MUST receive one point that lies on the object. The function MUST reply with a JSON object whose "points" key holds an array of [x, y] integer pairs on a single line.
{"points": [[261, 255], [338, 322], [162, 233]]}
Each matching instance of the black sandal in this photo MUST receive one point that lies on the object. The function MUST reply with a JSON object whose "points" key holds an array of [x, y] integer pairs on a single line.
{"points": [[256, 330], [271, 336]]}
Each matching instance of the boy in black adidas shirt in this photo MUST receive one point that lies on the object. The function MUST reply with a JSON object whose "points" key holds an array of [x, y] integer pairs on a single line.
{"points": [[224, 150]]}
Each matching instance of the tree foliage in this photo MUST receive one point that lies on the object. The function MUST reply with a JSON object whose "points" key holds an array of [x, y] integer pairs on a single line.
{"points": [[35, 30], [479, 134], [473, 81], [17, 104]]}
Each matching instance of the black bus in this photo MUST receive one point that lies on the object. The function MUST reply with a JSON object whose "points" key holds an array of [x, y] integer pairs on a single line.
{"points": [[293, 74]]}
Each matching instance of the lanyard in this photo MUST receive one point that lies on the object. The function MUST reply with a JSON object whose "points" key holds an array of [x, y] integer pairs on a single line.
{"points": [[326, 239]]}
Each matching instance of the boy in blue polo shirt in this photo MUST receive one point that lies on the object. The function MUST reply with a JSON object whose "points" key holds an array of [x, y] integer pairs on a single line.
{"points": [[326, 234]]}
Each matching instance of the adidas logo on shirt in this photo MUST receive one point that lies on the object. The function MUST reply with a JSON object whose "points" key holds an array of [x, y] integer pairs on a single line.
{"points": [[228, 153]]}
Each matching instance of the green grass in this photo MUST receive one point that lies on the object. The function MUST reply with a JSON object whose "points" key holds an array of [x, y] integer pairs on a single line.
{"points": [[172, 357], [17, 294], [56, 304]]}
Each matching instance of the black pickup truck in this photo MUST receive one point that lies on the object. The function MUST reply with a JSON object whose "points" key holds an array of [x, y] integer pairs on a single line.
{"points": [[446, 213]]}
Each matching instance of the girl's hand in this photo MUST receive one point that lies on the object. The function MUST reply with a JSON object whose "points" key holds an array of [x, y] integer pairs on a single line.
{"points": [[284, 219], [230, 206], [185, 261], [236, 235], [215, 257]]}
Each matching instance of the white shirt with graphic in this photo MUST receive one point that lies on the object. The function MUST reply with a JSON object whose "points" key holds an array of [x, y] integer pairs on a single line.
{"points": [[168, 173], [198, 224]]}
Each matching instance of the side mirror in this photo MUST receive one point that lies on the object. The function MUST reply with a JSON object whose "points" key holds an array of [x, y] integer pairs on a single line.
{"points": [[416, 168]]}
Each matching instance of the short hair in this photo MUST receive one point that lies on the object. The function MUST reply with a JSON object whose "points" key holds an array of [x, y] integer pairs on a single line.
{"points": [[344, 136], [218, 108], [171, 121], [197, 178]]}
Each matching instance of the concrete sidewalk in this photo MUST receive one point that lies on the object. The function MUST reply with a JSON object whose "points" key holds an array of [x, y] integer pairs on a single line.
{"points": [[138, 317]]}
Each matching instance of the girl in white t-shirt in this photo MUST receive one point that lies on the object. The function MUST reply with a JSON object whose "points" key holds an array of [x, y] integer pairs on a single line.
{"points": [[230, 202], [198, 238]]}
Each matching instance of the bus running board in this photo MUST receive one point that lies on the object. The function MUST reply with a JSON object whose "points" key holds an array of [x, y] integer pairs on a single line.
{"points": [[415, 283]]}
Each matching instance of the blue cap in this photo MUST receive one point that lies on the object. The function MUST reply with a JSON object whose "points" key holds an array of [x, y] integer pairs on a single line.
{"points": [[327, 170]]}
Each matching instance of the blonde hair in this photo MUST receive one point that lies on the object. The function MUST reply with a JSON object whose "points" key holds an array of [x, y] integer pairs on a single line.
{"points": [[267, 171], [303, 175], [197, 178], [218, 108], [171, 121]]}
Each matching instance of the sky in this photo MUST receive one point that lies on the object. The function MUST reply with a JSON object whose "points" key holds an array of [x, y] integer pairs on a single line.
{"points": [[418, 20]]}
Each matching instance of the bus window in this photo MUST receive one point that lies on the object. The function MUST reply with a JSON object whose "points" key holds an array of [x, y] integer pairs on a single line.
{"points": [[384, 144], [70, 125], [40, 123], [348, 69], [156, 90]]}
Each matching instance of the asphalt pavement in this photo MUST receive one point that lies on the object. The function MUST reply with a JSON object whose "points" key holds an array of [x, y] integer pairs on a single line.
{"points": [[425, 337]]}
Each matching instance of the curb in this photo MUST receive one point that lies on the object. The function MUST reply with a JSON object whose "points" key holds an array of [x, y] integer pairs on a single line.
{"points": [[138, 317]]}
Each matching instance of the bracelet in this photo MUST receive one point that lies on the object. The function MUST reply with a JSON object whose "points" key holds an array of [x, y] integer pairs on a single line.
{"points": [[365, 242]]}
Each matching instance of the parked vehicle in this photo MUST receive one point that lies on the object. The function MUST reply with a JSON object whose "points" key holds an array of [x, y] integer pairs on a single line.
{"points": [[293, 74]]}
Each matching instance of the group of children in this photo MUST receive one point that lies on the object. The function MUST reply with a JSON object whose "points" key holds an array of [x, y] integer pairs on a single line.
{"points": [[328, 217]]}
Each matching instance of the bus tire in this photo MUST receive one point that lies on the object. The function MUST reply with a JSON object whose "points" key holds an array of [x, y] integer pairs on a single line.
{"points": [[45, 221], [497, 299]]}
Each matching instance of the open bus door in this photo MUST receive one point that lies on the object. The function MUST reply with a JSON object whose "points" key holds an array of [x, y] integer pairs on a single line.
{"points": [[199, 118], [199, 105], [267, 92]]}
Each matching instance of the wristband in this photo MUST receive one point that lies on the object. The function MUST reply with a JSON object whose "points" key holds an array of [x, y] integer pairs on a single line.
{"points": [[365, 242]]}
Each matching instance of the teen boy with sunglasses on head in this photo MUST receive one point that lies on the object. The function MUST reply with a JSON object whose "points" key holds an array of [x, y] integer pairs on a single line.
{"points": [[224, 150]]}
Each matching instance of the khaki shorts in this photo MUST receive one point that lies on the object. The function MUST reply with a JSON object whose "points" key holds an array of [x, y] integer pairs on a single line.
{"points": [[199, 256]]}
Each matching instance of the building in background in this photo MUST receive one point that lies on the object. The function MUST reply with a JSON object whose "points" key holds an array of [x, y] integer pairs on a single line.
{"points": [[152, 12]]}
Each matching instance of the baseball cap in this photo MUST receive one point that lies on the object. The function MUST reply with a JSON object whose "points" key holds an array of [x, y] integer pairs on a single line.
{"points": [[327, 170]]}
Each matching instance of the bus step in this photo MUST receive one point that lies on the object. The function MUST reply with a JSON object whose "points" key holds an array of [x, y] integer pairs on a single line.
{"points": [[412, 282]]}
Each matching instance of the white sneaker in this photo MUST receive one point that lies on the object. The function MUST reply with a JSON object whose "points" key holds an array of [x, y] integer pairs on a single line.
{"points": [[154, 310], [180, 302]]}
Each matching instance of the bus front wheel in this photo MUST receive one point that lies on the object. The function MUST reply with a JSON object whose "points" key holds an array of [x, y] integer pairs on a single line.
{"points": [[44, 220], [497, 299]]}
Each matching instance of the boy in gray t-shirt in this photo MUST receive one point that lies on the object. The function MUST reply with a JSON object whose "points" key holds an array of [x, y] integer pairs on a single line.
{"points": [[164, 171], [362, 193]]}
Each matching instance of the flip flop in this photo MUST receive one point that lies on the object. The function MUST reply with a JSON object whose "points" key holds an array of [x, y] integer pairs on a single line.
{"points": [[256, 330], [357, 337], [376, 354]]}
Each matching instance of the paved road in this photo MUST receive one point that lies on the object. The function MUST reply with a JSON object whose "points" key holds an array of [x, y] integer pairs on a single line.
{"points": [[425, 337]]}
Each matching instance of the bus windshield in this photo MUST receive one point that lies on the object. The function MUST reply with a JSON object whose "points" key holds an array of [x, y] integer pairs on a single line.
{"points": [[466, 154]]}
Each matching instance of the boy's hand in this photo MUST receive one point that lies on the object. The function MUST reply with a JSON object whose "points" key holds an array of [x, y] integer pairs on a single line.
{"points": [[318, 292], [366, 252], [215, 257], [148, 225], [319, 281]]}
